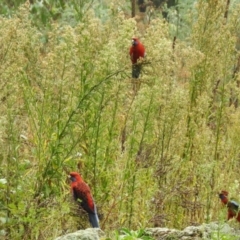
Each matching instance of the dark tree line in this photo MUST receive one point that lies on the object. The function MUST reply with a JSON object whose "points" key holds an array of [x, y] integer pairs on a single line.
{"points": [[142, 4]]}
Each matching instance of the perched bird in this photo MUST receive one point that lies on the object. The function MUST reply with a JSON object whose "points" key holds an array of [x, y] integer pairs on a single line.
{"points": [[82, 194], [233, 206], [136, 51]]}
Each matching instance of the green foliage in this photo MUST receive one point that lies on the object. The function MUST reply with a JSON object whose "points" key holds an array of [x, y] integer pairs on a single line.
{"points": [[152, 158], [222, 236], [127, 234]]}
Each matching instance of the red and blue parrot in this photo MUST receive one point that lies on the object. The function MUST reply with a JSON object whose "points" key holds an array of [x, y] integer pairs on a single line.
{"points": [[233, 206], [136, 52], [82, 194]]}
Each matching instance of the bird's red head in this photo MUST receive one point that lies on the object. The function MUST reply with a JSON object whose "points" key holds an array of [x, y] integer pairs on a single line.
{"points": [[74, 176], [224, 192], [223, 196]]}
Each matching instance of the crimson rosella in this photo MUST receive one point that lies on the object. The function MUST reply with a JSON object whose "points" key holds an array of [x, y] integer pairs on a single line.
{"points": [[233, 207], [136, 51], [81, 193]]}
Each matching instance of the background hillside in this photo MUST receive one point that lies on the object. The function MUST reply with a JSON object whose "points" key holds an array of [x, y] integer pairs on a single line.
{"points": [[156, 157]]}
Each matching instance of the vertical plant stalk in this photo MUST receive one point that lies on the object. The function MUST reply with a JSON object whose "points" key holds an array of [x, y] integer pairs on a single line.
{"points": [[96, 137], [133, 8], [132, 168], [9, 171], [56, 146], [37, 126], [164, 140], [124, 139], [12, 170], [112, 126], [132, 190], [227, 9]]}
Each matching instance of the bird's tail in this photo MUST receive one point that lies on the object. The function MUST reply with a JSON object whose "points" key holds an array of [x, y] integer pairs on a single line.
{"points": [[93, 218]]}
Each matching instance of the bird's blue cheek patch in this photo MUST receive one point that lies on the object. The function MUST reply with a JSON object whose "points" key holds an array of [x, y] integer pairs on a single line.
{"points": [[221, 196], [134, 43], [73, 179]]}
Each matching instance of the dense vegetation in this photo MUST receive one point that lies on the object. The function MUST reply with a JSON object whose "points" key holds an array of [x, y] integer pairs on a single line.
{"points": [[157, 157]]}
